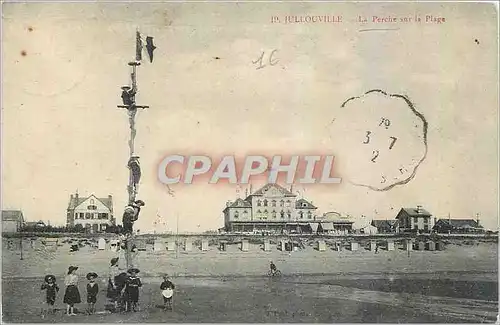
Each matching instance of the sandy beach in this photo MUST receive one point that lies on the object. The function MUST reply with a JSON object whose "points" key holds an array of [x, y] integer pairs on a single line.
{"points": [[459, 284]]}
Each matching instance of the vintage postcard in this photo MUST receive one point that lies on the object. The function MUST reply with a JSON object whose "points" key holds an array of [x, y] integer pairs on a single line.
{"points": [[249, 162]]}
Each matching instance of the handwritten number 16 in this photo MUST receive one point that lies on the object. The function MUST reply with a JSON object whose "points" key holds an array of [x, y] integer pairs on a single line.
{"points": [[261, 59]]}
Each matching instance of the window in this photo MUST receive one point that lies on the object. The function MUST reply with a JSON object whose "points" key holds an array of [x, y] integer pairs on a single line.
{"points": [[236, 214], [273, 214], [259, 203], [103, 227], [92, 201], [91, 207], [245, 214], [265, 212], [309, 215], [265, 203], [103, 216], [82, 215], [282, 213], [426, 220], [288, 203], [304, 204], [76, 215], [282, 203], [88, 215], [301, 215], [273, 203], [289, 214]]}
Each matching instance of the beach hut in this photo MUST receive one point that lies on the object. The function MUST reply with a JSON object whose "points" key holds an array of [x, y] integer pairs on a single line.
{"points": [[439, 246], [171, 245], [101, 244], [338, 246], [204, 245], [188, 245], [321, 245], [373, 245], [421, 246], [354, 246], [431, 246], [244, 245], [282, 246], [158, 245], [267, 245], [408, 245], [390, 245]]}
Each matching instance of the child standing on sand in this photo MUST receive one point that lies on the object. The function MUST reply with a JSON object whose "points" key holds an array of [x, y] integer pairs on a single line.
{"points": [[132, 289], [51, 289], [167, 291], [72, 295], [92, 290]]}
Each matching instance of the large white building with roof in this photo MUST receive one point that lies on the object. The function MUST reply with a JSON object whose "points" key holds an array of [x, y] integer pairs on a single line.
{"points": [[271, 208]]}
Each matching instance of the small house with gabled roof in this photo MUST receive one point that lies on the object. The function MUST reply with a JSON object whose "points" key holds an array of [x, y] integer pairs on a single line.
{"points": [[415, 220], [94, 213], [458, 226], [12, 220]]}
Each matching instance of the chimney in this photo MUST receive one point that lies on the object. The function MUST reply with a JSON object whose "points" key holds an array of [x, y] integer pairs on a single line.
{"points": [[250, 189], [76, 197], [419, 208], [228, 203], [477, 219], [246, 193]]}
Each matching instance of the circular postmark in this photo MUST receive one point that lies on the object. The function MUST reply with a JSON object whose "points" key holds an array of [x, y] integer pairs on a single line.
{"points": [[380, 140]]}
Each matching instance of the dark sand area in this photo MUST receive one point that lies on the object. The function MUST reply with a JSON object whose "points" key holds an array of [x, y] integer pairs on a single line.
{"points": [[325, 299]]}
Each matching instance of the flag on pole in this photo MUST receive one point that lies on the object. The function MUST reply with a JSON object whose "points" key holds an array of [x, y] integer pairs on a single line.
{"points": [[138, 47]]}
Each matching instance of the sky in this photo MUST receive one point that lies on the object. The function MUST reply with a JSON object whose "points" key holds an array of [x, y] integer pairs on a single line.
{"points": [[64, 63]]}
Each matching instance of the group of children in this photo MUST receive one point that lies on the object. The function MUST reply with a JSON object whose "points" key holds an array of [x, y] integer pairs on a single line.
{"points": [[123, 290]]}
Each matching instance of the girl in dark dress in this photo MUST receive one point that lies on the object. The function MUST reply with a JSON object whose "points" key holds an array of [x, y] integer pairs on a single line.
{"points": [[92, 290], [51, 289], [132, 289], [72, 295]]}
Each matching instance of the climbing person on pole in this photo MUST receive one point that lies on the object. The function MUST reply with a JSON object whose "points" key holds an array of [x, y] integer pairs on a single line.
{"points": [[128, 96], [130, 215]]}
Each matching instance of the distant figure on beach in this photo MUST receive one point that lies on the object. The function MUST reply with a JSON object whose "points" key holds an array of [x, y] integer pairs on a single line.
{"points": [[167, 292], [51, 288], [114, 291], [72, 295], [272, 267], [376, 249], [92, 290], [132, 286]]}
